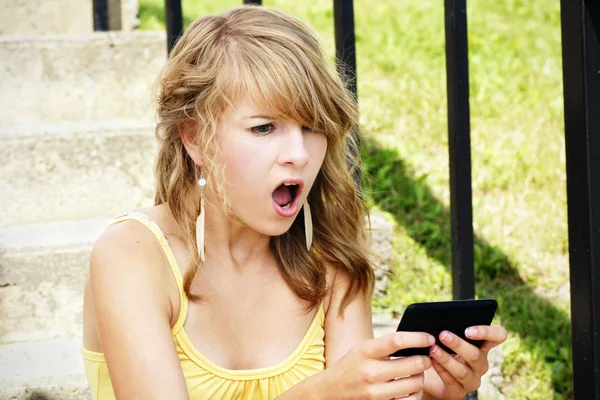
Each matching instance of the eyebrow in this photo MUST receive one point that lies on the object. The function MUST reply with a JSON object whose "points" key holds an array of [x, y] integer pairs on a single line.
{"points": [[261, 117]]}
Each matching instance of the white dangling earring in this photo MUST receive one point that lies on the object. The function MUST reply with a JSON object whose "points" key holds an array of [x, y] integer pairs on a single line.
{"points": [[308, 226], [200, 219]]}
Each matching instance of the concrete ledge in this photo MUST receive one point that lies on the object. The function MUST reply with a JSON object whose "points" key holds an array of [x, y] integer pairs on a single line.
{"points": [[129, 11], [381, 234], [384, 324], [43, 370], [55, 78], [34, 17], [74, 171], [42, 272]]}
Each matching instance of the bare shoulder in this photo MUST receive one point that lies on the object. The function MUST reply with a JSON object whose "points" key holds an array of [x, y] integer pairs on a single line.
{"points": [[127, 256], [126, 239], [132, 310], [339, 283]]}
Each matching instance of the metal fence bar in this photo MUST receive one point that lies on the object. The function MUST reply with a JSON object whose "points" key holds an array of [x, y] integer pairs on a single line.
{"points": [[100, 8], [345, 51], [343, 15], [174, 22], [459, 142], [581, 80]]}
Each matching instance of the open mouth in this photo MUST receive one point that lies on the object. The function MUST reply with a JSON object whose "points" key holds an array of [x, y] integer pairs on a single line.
{"points": [[285, 194]]}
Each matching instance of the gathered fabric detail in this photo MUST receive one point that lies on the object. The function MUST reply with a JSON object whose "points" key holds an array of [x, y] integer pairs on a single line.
{"points": [[204, 379], [310, 341]]}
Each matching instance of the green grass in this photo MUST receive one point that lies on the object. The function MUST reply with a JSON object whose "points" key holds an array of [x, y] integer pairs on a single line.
{"points": [[519, 199]]}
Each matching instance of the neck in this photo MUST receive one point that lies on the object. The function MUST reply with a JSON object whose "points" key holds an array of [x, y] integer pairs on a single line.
{"points": [[230, 242]]}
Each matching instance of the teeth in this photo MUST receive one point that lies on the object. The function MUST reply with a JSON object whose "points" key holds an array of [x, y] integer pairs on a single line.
{"points": [[287, 206], [290, 184]]}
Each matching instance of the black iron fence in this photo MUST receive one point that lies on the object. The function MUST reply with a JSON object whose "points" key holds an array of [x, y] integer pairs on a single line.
{"points": [[101, 15], [581, 80], [581, 77]]}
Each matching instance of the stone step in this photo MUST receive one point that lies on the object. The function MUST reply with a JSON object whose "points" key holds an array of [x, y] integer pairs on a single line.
{"points": [[80, 170], [35, 17], [43, 268], [384, 324], [31, 17], [45, 370], [102, 75]]}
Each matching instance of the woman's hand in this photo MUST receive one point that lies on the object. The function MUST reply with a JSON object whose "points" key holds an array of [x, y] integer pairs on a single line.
{"points": [[452, 377], [366, 372]]}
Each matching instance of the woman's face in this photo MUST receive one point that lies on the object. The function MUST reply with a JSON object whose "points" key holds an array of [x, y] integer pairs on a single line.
{"points": [[261, 155]]}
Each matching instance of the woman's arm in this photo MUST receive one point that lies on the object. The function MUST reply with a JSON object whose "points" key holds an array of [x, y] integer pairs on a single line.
{"points": [[132, 312], [447, 378], [342, 332], [357, 366]]}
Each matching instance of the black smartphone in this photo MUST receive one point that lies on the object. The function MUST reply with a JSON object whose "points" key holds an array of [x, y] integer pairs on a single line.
{"points": [[454, 316]]}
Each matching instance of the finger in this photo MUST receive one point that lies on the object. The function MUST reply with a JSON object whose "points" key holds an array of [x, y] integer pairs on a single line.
{"points": [[388, 344], [453, 387], [459, 371], [469, 353], [409, 385], [487, 346], [414, 396], [491, 335], [399, 367]]}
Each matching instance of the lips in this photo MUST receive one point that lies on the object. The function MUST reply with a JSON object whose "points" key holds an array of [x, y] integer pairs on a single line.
{"points": [[286, 197]]}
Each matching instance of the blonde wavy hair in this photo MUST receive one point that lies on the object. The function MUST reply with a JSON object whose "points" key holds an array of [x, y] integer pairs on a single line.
{"points": [[278, 62]]}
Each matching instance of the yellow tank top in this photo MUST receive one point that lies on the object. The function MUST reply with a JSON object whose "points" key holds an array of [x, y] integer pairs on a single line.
{"points": [[204, 379]]}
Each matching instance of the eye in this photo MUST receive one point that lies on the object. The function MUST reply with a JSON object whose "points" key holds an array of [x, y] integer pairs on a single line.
{"points": [[263, 129], [308, 129]]}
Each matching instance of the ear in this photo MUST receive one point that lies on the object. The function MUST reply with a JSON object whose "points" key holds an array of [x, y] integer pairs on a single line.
{"points": [[187, 133]]}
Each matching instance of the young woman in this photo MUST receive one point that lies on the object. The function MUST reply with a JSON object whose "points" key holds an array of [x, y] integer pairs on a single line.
{"points": [[250, 276]]}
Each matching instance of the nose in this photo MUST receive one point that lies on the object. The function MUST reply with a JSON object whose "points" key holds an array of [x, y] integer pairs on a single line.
{"points": [[293, 151]]}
